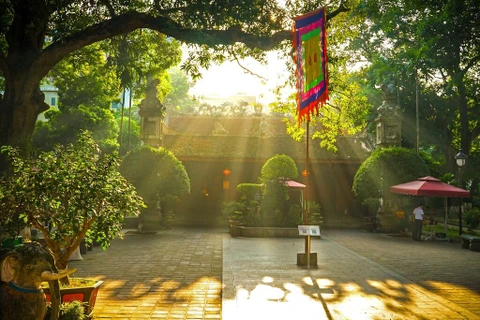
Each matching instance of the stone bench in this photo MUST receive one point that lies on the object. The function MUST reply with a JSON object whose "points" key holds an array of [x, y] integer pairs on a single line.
{"points": [[470, 242]]}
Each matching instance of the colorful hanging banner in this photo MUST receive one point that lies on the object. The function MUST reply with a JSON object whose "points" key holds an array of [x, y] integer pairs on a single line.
{"points": [[310, 55]]}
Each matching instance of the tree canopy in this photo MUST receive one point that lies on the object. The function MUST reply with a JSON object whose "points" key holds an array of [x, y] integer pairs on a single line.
{"points": [[36, 35], [434, 46]]}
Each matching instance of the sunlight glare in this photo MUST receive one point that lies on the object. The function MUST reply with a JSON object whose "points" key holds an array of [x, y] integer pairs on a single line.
{"points": [[267, 279]]}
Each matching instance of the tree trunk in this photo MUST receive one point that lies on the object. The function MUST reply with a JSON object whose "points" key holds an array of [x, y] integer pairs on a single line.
{"points": [[19, 108]]}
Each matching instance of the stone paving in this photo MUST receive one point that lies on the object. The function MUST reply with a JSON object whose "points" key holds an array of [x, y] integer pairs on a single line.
{"points": [[206, 274], [173, 274], [442, 268]]}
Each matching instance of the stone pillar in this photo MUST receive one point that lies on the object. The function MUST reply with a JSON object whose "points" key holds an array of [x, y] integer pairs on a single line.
{"points": [[389, 121], [151, 112], [389, 134]]}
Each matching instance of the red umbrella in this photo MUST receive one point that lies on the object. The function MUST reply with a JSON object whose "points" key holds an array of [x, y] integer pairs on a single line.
{"points": [[430, 187]]}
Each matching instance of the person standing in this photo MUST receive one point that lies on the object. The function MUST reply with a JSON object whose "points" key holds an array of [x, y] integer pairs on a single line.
{"points": [[418, 223]]}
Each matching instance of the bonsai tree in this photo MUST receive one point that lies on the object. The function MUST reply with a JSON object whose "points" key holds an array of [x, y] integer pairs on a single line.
{"points": [[71, 193], [157, 175], [275, 171]]}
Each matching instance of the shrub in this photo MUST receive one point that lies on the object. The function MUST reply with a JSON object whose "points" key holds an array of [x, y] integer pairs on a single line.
{"points": [[315, 214], [384, 168], [234, 210], [279, 166], [249, 190], [155, 173], [73, 310], [472, 218]]}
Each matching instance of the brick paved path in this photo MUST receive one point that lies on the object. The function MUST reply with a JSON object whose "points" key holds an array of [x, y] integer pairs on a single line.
{"points": [[440, 267], [174, 274], [263, 282], [185, 274]]}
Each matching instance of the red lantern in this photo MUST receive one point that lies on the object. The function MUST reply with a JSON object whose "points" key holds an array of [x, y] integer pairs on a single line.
{"points": [[226, 172], [305, 173]]}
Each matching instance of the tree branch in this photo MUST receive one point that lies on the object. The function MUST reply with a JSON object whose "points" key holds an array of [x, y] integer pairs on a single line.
{"points": [[130, 21], [245, 68], [471, 63], [341, 8]]}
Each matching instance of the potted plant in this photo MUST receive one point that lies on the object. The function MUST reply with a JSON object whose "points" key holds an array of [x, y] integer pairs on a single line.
{"points": [[70, 194]]}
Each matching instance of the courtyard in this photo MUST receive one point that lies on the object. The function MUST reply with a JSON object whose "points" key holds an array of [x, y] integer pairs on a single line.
{"points": [[206, 274]]}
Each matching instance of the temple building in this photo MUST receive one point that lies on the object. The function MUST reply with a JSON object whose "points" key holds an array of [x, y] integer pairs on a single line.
{"points": [[207, 145]]}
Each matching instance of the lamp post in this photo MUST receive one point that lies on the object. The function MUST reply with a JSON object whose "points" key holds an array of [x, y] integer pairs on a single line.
{"points": [[461, 159]]}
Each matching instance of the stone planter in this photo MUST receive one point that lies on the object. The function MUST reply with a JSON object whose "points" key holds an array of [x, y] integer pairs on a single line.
{"points": [[87, 295], [234, 228]]}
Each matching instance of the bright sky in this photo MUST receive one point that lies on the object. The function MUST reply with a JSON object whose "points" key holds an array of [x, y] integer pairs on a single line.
{"points": [[230, 79]]}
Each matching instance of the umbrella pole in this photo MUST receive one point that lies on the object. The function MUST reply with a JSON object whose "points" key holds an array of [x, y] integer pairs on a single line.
{"points": [[445, 216]]}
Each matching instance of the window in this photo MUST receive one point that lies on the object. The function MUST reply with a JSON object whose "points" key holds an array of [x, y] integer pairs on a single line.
{"points": [[53, 101]]}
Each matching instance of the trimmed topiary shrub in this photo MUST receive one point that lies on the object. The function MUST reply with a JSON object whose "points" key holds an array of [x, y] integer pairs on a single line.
{"points": [[159, 178], [249, 190], [279, 166], [155, 173], [384, 168], [274, 209]]}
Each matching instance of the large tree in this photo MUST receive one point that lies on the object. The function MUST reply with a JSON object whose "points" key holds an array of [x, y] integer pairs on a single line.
{"points": [[435, 44], [36, 35]]}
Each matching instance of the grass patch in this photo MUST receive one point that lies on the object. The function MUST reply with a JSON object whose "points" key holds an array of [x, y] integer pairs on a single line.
{"points": [[452, 232]]}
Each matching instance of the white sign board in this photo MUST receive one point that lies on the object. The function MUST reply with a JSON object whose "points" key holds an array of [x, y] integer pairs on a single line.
{"points": [[309, 231]]}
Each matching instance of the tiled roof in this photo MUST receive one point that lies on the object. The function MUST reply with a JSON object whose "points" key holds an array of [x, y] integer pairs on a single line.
{"points": [[193, 138]]}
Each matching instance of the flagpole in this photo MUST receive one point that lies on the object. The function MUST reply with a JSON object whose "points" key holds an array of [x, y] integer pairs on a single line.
{"points": [[307, 205]]}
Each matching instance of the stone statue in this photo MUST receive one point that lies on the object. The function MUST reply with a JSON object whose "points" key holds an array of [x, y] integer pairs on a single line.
{"points": [[22, 271], [151, 100], [389, 94]]}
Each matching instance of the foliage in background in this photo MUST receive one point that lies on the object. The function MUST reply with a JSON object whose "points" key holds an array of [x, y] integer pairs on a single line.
{"points": [[140, 55], [71, 193], [432, 46], [345, 113], [64, 127], [130, 135], [178, 99], [84, 78], [384, 168], [472, 218], [90, 80]]}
